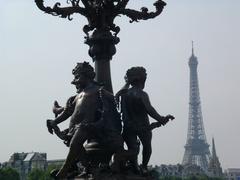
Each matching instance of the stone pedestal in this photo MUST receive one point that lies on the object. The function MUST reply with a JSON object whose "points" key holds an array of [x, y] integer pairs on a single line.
{"points": [[118, 177], [111, 176]]}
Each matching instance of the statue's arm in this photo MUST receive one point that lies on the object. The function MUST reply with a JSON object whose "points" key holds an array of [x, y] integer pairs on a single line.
{"points": [[64, 116], [153, 113], [52, 124], [150, 109], [122, 91], [67, 112]]}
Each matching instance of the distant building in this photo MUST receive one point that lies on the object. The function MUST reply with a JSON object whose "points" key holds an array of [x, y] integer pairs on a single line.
{"points": [[56, 162], [169, 170], [178, 170], [214, 168], [232, 174], [25, 162]]}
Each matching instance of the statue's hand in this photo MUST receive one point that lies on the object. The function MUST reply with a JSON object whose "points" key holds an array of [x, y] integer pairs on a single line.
{"points": [[170, 117], [167, 118], [57, 109], [50, 125]]}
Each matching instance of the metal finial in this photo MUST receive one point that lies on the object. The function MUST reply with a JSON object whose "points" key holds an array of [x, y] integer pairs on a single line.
{"points": [[192, 48]]}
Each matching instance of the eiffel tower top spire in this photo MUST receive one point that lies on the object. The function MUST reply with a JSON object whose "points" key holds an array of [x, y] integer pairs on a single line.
{"points": [[193, 60], [192, 48]]}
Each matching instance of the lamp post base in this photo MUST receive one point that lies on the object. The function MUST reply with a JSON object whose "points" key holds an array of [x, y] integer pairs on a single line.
{"points": [[117, 177]]}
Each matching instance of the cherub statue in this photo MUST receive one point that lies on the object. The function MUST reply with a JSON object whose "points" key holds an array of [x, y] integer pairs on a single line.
{"points": [[93, 115], [135, 107]]}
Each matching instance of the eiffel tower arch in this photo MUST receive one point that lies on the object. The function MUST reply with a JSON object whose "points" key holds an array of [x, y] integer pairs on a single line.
{"points": [[196, 148]]}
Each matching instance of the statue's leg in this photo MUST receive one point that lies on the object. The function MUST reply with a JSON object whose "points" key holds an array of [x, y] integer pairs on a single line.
{"points": [[146, 139], [131, 141], [116, 147], [76, 151]]}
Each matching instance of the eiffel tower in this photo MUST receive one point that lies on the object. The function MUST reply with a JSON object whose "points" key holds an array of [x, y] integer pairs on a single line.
{"points": [[196, 149]]}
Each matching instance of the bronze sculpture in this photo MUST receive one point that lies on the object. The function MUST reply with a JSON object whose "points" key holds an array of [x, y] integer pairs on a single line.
{"points": [[93, 115], [135, 108], [93, 110]]}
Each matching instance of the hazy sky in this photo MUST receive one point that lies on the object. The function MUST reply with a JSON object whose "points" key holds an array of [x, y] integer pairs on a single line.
{"points": [[38, 52]]}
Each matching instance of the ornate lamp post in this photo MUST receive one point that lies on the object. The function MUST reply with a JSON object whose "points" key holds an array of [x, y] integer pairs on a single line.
{"points": [[101, 32]]}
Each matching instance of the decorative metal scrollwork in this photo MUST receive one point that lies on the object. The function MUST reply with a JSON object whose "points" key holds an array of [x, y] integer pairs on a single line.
{"points": [[101, 13]]}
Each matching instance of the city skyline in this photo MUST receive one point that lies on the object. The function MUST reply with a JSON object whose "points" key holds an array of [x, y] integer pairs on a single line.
{"points": [[38, 52]]}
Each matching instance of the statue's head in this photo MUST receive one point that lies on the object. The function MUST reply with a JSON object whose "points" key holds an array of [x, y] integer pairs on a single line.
{"points": [[83, 73], [136, 76]]}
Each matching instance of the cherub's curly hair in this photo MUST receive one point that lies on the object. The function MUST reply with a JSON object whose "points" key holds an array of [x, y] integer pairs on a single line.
{"points": [[85, 69], [136, 75]]}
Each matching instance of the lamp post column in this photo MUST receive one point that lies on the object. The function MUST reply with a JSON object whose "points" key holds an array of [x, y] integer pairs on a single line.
{"points": [[101, 49]]}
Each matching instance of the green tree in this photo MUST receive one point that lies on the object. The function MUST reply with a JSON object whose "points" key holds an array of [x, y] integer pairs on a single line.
{"points": [[170, 178], [9, 174], [203, 177], [48, 171], [36, 174], [154, 174]]}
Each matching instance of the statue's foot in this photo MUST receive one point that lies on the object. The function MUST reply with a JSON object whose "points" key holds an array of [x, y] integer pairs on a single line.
{"points": [[144, 170], [134, 168], [115, 168]]}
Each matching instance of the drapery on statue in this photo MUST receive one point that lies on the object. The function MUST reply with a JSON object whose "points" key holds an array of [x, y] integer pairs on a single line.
{"points": [[135, 108]]}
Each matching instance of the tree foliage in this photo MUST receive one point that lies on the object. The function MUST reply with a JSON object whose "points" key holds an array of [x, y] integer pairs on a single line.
{"points": [[202, 177], [37, 174], [9, 174], [157, 176]]}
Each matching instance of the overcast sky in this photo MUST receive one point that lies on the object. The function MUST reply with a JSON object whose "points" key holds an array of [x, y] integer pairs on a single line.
{"points": [[38, 52]]}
